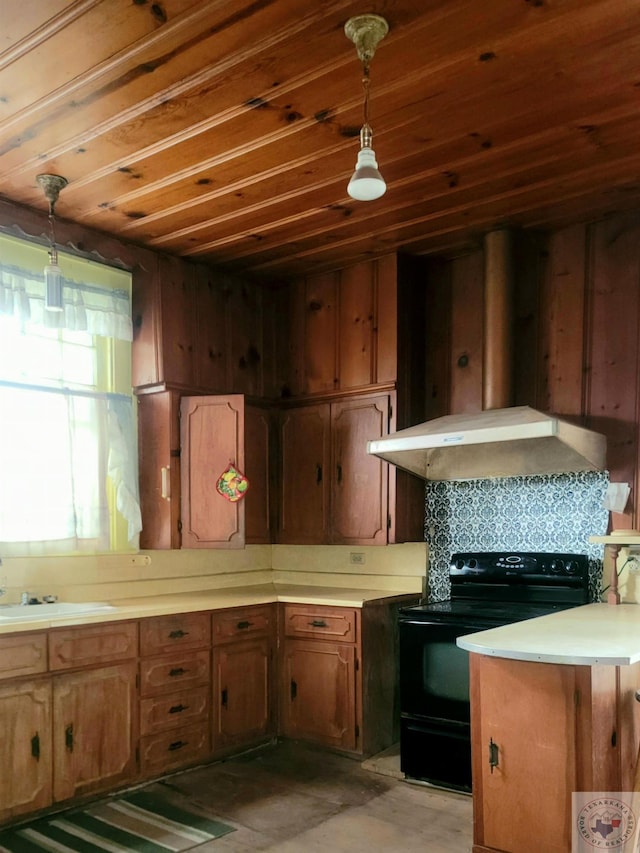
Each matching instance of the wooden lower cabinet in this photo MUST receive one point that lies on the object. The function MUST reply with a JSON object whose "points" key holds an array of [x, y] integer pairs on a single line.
{"points": [[94, 730], [25, 747], [539, 732], [339, 675], [242, 677], [175, 681], [241, 693], [318, 692]]}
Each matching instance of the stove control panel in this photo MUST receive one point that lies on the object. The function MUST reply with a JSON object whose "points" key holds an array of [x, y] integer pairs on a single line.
{"points": [[519, 567]]}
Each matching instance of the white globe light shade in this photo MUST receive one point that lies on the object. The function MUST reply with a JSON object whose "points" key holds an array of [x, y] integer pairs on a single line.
{"points": [[366, 183]]}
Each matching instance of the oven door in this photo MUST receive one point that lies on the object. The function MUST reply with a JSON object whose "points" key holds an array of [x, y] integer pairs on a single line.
{"points": [[435, 736], [434, 671]]}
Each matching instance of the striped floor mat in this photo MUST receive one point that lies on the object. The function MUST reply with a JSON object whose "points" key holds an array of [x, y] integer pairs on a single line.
{"points": [[137, 822]]}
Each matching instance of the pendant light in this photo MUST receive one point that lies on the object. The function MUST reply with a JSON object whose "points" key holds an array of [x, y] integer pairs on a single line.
{"points": [[366, 31], [53, 301]]}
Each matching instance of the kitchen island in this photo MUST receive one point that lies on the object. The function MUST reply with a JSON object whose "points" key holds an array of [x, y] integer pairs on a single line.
{"points": [[553, 711]]}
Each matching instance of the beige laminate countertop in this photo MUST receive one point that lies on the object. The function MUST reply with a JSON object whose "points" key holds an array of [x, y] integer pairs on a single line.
{"points": [[162, 605], [591, 634]]}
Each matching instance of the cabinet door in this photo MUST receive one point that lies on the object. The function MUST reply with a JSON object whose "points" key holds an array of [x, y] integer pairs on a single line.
{"points": [[241, 693], [527, 711], [159, 466], [359, 496], [304, 481], [318, 692], [212, 437], [94, 730], [258, 470], [25, 747]]}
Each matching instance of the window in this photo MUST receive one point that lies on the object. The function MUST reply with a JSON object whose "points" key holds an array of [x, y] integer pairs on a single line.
{"points": [[68, 456]]}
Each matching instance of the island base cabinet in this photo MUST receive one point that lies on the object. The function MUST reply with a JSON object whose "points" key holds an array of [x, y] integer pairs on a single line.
{"points": [[95, 730], [25, 747], [539, 732]]}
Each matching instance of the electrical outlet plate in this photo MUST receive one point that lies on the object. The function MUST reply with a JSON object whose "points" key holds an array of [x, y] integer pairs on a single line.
{"points": [[357, 558]]}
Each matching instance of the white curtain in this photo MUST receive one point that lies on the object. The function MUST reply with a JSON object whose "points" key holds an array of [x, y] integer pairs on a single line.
{"points": [[97, 310], [60, 436]]}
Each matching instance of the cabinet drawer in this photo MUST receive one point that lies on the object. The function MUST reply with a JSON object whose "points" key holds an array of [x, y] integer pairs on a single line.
{"points": [[22, 654], [160, 713], [88, 645], [174, 672], [334, 623], [162, 752], [162, 634], [242, 622]]}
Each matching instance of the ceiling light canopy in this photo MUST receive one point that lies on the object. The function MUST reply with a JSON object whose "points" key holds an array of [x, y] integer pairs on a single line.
{"points": [[366, 183], [53, 300]]}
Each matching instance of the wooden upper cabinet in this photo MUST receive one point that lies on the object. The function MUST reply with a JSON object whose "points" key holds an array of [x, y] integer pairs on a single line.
{"points": [[304, 475], [359, 504], [181, 459], [159, 464], [354, 328], [212, 439], [332, 491], [199, 329], [257, 456]]}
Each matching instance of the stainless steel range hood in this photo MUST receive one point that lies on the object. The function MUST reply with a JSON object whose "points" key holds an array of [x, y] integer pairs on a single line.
{"points": [[492, 443]]}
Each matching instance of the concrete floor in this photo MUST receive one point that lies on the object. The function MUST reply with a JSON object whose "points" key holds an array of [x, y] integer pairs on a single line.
{"points": [[292, 797]]}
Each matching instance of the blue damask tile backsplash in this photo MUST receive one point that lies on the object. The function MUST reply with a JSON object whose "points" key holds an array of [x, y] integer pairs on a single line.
{"points": [[551, 513]]}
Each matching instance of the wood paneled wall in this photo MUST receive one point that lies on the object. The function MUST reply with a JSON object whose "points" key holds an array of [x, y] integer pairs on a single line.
{"points": [[577, 336]]}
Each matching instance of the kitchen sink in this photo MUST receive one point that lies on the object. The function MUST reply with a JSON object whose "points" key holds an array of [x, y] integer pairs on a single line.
{"points": [[56, 610]]}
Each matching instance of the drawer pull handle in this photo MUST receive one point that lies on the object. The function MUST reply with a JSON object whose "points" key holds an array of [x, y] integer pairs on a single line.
{"points": [[339, 467], [223, 698], [68, 737], [177, 744], [241, 626], [35, 746], [494, 756], [318, 623], [177, 635], [178, 709], [177, 671], [318, 474], [294, 689]]}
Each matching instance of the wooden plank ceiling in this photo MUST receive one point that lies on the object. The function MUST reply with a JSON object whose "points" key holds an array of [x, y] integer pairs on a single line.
{"points": [[226, 130]]}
